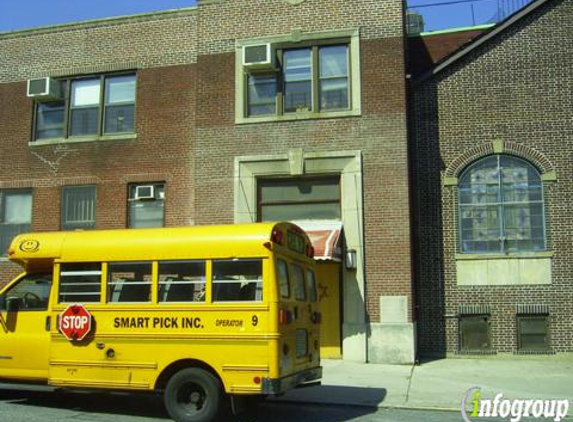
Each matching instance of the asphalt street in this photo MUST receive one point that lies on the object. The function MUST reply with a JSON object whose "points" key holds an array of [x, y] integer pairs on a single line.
{"points": [[35, 405]]}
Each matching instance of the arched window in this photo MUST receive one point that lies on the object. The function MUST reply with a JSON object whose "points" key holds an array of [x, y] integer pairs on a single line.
{"points": [[501, 207]]}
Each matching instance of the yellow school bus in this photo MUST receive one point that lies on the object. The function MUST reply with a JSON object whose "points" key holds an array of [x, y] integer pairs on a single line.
{"points": [[197, 313]]}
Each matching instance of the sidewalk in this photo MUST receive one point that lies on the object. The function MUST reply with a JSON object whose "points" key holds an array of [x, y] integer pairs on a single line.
{"points": [[439, 384]]}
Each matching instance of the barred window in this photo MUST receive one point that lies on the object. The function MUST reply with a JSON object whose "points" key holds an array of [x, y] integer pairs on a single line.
{"points": [[501, 207], [78, 207]]}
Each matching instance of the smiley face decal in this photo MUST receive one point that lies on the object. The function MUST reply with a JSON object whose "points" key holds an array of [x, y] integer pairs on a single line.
{"points": [[29, 245]]}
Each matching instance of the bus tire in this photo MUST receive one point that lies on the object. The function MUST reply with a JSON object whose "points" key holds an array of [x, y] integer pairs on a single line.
{"points": [[193, 395]]}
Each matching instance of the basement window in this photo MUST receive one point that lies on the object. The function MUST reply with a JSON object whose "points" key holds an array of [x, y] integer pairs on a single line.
{"points": [[475, 333], [533, 333]]}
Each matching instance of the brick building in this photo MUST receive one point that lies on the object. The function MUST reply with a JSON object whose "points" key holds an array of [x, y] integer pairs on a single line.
{"points": [[491, 152], [243, 110], [165, 100]]}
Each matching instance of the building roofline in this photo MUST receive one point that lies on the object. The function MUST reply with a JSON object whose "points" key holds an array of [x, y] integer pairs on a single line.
{"points": [[478, 41], [93, 23], [455, 30]]}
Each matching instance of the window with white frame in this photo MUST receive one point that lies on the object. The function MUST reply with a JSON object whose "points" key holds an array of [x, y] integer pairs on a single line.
{"points": [[90, 106], [78, 207], [15, 215], [146, 205], [501, 207]]}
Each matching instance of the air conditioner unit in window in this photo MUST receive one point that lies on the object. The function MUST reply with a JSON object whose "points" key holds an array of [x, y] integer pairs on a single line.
{"points": [[44, 89], [144, 192], [259, 57]]}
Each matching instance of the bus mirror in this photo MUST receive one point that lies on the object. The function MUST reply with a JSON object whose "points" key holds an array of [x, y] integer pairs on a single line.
{"points": [[13, 304]]}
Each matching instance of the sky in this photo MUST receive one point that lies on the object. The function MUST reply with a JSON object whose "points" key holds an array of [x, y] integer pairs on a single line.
{"points": [[22, 14]]}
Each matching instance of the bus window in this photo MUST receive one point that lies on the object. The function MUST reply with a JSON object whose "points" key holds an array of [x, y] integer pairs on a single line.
{"points": [[32, 292], [182, 281], [298, 281], [282, 275], [311, 286], [80, 282], [129, 282], [238, 280]]}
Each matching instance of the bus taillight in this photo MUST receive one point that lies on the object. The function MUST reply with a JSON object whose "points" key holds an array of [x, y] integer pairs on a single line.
{"points": [[278, 236], [285, 317]]}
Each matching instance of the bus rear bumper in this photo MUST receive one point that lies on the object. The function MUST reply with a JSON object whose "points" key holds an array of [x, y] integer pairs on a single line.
{"points": [[275, 386]]}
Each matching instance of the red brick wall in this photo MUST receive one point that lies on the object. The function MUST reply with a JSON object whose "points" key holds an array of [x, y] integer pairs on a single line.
{"points": [[380, 133], [161, 152]]}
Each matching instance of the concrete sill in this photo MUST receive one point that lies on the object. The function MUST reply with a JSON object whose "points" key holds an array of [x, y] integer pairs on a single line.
{"points": [[522, 255], [82, 139], [289, 117]]}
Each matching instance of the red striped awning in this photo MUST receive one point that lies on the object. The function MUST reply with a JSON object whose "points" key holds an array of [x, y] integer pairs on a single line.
{"points": [[325, 238]]}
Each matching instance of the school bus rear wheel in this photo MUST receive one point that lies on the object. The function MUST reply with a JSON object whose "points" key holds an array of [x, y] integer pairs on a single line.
{"points": [[193, 395]]}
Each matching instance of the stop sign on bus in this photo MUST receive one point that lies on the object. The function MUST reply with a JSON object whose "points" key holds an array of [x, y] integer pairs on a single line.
{"points": [[75, 322]]}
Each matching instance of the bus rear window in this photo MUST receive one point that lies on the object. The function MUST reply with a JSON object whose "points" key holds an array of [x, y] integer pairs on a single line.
{"points": [[80, 283], [129, 282], [311, 286], [238, 280], [297, 277], [182, 281], [282, 276]]}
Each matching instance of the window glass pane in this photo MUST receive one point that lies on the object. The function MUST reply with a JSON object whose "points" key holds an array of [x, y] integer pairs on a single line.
{"points": [[78, 207], [85, 92], [238, 280], [147, 212], [84, 121], [129, 282], [85, 107], [119, 104], [300, 190], [182, 281], [524, 227], [297, 80], [297, 277], [33, 292], [311, 283], [262, 94], [333, 61], [17, 207], [80, 282], [120, 89], [15, 216], [329, 211], [282, 275], [50, 120], [480, 228], [119, 119], [296, 199], [333, 77]]}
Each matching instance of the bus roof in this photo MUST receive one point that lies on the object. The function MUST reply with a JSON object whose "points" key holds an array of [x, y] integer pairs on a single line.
{"points": [[196, 242]]}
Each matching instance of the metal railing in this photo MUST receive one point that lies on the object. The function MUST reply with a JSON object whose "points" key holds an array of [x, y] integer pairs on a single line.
{"points": [[438, 16]]}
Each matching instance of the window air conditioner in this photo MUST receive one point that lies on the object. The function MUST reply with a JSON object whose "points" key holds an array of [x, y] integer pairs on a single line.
{"points": [[44, 89], [144, 192], [259, 57]]}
